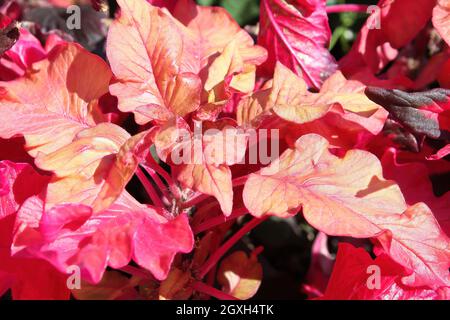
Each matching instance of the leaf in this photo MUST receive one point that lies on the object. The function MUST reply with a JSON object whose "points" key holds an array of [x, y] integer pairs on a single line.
{"points": [[349, 197], [26, 51], [424, 113], [18, 181], [320, 267], [71, 234], [153, 58], [393, 20], [352, 274], [28, 279], [214, 29], [310, 177], [379, 38], [441, 19], [340, 111], [240, 275], [209, 179], [113, 285], [416, 187], [292, 102], [95, 168], [296, 33], [225, 52], [176, 286], [51, 106], [89, 34], [205, 160], [415, 240]]}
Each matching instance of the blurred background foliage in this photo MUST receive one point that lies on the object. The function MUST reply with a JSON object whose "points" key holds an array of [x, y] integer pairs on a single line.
{"points": [[344, 26]]}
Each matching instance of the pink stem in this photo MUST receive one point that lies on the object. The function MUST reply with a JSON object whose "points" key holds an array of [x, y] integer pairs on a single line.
{"points": [[347, 8], [195, 200], [211, 291], [152, 164], [158, 182], [240, 181], [215, 221], [257, 251], [218, 254], [149, 188]]}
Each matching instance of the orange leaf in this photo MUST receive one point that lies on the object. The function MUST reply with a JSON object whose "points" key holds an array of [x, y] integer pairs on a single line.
{"points": [[215, 28], [349, 197], [309, 176], [95, 168], [441, 19], [240, 275], [292, 102], [50, 106], [153, 58]]}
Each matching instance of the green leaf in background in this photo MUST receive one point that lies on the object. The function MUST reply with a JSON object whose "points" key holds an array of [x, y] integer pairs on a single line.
{"points": [[207, 2], [243, 11]]}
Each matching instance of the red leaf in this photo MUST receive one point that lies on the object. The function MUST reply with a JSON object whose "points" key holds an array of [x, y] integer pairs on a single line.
{"points": [[350, 279], [297, 34], [73, 235], [416, 187], [28, 278]]}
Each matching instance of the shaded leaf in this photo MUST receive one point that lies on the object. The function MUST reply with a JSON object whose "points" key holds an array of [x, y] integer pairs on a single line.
{"points": [[176, 286], [240, 275], [426, 113]]}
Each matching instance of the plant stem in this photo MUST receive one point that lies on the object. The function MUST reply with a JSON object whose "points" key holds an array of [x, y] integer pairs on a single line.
{"points": [[195, 200], [159, 183], [211, 291], [362, 8], [240, 181], [152, 164], [218, 254], [149, 188], [215, 221]]}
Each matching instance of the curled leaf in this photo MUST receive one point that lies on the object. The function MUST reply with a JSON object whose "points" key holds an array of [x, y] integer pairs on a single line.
{"points": [[426, 113]]}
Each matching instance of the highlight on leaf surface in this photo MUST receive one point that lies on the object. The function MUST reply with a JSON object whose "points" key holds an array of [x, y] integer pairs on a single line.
{"points": [[356, 276], [312, 178], [297, 34], [72, 234], [240, 275]]}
